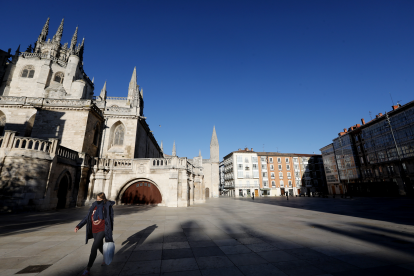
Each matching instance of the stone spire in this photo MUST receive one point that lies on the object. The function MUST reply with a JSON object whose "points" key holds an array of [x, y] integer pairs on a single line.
{"points": [[93, 79], [199, 153], [45, 31], [81, 47], [214, 147], [58, 36], [142, 93], [103, 92], [174, 151], [162, 149], [73, 41], [132, 89]]}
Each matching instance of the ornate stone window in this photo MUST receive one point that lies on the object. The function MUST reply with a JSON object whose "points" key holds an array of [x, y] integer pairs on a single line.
{"points": [[119, 135], [28, 71], [59, 76]]}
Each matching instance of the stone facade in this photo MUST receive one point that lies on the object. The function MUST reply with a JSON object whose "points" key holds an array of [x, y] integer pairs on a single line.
{"points": [[60, 145]]}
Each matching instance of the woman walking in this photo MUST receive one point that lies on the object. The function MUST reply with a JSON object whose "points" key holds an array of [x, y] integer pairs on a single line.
{"points": [[99, 225]]}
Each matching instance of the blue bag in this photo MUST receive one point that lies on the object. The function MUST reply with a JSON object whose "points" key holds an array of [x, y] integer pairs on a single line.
{"points": [[108, 252]]}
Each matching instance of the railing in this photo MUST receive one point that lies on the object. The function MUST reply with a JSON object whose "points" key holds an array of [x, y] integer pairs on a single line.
{"points": [[45, 101], [118, 109], [161, 162], [122, 163], [117, 98], [28, 143], [67, 153], [44, 56]]}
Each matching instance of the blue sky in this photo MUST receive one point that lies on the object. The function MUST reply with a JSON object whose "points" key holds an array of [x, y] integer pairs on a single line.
{"points": [[278, 75]]}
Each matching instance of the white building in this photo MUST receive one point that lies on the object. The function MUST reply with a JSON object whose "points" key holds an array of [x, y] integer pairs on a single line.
{"points": [[241, 173]]}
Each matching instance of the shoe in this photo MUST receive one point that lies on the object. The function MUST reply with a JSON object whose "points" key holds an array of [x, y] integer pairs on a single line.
{"points": [[103, 263], [86, 273]]}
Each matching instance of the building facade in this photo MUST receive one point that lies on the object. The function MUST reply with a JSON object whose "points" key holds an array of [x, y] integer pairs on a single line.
{"points": [[272, 173], [377, 158], [296, 174], [331, 171], [241, 173], [60, 145]]}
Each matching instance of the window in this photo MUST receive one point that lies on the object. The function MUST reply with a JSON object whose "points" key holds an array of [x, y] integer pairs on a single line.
{"points": [[287, 160], [295, 160], [264, 167], [362, 160], [255, 174], [279, 160], [96, 135], [315, 182], [288, 167], [272, 175], [271, 160], [263, 159], [289, 175], [119, 135], [272, 167], [59, 77], [265, 183], [28, 72], [298, 183], [264, 174], [290, 183], [239, 174], [239, 159], [240, 166], [254, 167], [273, 184], [246, 160], [280, 167], [254, 159], [281, 183], [281, 175]]}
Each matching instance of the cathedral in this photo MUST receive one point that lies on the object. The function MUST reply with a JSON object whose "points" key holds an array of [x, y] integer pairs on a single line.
{"points": [[60, 144]]}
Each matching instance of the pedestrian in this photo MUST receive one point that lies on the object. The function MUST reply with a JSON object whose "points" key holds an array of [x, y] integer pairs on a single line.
{"points": [[287, 195], [253, 195], [99, 225]]}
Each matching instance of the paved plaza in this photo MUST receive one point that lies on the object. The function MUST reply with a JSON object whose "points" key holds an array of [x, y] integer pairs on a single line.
{"points": [[225, 236]]}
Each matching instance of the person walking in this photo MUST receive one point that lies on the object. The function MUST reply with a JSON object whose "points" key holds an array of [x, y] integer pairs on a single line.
{"points": [[253, 195], [287, 195], [99, 225]]}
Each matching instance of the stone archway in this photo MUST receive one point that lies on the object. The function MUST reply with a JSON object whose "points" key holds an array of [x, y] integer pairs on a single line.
{"points": [[207, 192], [141, 192]]}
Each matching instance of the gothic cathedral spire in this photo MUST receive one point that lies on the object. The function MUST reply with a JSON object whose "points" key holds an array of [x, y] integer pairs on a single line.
{"points": [[73, 41], [214, 147], [45, 31], [103, 93], [174, 151], [58, 36]]}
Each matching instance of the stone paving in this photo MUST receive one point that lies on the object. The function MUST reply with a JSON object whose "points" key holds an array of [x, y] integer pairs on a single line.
{"points": [[267, 236]]}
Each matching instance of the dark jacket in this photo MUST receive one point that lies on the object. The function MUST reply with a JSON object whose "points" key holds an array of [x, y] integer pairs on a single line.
{"points": [[109, 221]]}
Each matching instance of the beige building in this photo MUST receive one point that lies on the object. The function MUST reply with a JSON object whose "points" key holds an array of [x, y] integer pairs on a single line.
{"points": [[60, 145], [298, 174]]}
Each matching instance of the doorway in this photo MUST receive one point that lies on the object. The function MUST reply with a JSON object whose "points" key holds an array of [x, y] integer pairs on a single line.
{"points": [[207, 192], [142, 192], [62, 192]]}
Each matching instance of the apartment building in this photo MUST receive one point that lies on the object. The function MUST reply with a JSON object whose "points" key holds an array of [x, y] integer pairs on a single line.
{"points": [[297, 174], [377, 158], [331, 171], [241, 173]]}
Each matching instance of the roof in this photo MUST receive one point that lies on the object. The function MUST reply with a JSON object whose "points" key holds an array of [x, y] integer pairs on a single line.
{"points": [[287, 154]]}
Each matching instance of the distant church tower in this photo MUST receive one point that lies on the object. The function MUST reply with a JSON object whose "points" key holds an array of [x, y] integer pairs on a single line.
{"points": [[214, 147]]}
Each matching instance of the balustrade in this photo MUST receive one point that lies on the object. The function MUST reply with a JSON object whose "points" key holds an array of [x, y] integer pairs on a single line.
{"points": [[28, 143], [67, 153], [122, 163], [161, 162]]}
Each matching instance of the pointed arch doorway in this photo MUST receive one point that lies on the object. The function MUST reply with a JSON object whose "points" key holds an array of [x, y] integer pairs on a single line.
{"points": [[142, 192]]}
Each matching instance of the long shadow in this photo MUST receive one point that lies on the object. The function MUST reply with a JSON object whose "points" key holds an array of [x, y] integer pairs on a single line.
{"points": [[36, 221], [395, 210]]}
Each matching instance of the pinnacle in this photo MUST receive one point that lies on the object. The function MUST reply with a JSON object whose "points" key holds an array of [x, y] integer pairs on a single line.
{"points": [[214, 140]]}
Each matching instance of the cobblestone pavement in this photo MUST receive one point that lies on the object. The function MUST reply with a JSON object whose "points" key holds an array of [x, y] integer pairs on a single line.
{"points": [[267, 236]]}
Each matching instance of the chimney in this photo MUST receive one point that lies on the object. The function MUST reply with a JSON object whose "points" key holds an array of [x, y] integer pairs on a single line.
{"points": [[345, 130], [358, 125], [251, 149], [394, 107], [239, 149], [376, 116], [380, 114], [246, 149], [363, 121]]}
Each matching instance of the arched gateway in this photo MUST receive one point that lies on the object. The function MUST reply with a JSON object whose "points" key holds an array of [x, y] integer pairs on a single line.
{"points": [[141, 192]]}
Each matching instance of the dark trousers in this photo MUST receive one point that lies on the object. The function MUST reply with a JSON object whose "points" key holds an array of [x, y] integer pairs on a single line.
{"points": [[98, 241]]}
